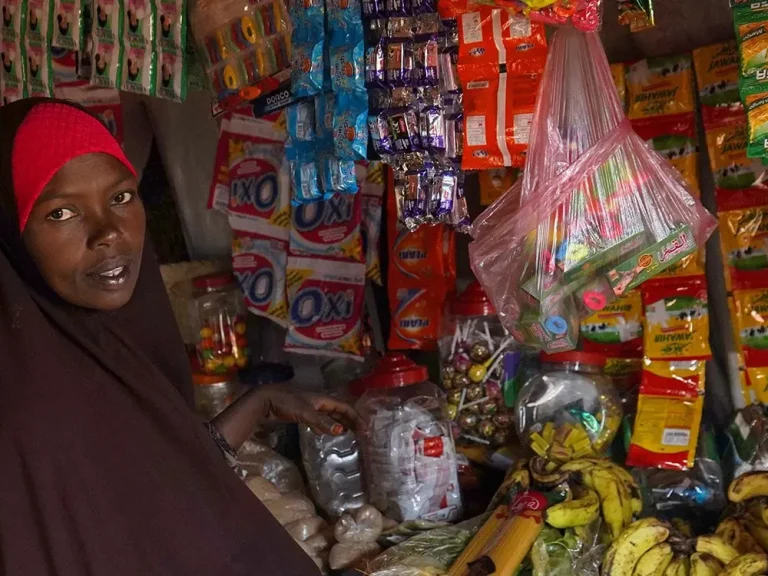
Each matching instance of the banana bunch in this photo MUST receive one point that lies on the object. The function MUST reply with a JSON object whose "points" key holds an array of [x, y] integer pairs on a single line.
{"points": [[652, 547], [599, 488], [749, 493]]}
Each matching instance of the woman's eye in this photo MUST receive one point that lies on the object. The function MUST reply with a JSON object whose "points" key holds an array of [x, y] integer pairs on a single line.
{"points": [[61, 215], [123, 198]]}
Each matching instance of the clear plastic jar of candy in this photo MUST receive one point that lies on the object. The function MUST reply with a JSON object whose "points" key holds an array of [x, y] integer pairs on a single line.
{"points": [[477, 358], [570, 410], [222, 346], [409, 459], [213, 393]]}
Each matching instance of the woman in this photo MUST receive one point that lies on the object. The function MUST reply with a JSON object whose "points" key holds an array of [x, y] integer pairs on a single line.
{"points": [[104, 468]]}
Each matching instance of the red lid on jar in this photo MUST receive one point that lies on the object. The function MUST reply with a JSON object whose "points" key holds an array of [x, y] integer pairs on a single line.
{"points": [[202, 379], [473, 302], [393, 371], [573, 357], [213, 281]]}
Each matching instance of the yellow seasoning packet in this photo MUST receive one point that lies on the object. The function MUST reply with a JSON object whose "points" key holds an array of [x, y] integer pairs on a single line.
{"points": [[669, 410], [743, 218], [676, 140], [690, 265], [676, 319], [616, 331], [732, 170], [751, 300], [619, 72], [660, 86], [717, 74]]}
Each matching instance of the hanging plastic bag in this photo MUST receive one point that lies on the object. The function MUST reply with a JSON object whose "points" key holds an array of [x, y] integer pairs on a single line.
{"points": [[599, 213]]}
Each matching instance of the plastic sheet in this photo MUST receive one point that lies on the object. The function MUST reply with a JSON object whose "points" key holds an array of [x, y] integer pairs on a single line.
{"points": [[599, 214], [257, 459]]}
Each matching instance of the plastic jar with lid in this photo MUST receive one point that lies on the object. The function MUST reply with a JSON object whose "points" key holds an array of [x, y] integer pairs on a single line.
{"points": [[409, 459], [222, 346], [570, 409], [477, 356], [213, 393]]}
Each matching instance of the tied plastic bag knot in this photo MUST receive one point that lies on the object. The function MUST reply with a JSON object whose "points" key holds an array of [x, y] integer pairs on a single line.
{"points": [[596, 213]]}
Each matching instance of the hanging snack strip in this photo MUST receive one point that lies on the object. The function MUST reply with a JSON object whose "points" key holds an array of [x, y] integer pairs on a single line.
{"points": [[415, 116], [751, 22], [637, 14], [13, 50], [616, 216], [39, 34], [244, 48]]}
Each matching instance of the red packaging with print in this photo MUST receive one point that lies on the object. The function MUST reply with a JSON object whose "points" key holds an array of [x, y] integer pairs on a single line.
{"points": [[492, 38], [497, 119], [325, 307]]}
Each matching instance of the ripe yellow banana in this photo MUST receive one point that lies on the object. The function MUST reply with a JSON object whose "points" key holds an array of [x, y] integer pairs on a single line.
{"points": [[631, 548], [747, 565], [683, 527], [748, 486], [735, 533], [607, 488], [655, 561], [758, 509], [628, 531], [680, 566], [582, 510], [758, 531], [717, 547], [625, 477], [705, 565]]}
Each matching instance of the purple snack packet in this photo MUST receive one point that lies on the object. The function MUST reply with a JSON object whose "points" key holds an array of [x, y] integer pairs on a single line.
{"points": [[404, 127], [449, 77], [375, 65], [374, 9], [432, 128], [415, 197], [399, 63], [426, 63], [444, 190], [381, 136]]}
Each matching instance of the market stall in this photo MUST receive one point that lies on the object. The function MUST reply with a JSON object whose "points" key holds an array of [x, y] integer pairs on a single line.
{"points": [[459, 217]]}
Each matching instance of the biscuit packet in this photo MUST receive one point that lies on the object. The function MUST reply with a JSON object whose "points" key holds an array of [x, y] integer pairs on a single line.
{"points": [[669, 412], [676, 319]]}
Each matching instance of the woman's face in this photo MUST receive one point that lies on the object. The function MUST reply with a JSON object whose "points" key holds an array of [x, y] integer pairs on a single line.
{"points": [[86, 232]]}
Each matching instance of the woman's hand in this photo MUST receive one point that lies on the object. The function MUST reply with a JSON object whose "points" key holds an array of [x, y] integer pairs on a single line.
{"points": [[276, 403], [322, 413]]}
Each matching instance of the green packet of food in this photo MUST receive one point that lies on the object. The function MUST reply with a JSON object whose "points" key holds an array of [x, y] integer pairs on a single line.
{"points": [[751, 24]]}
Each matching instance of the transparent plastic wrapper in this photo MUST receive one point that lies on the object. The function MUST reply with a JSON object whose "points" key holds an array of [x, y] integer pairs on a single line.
{"points": [[409, 458], [563, 553], [256, 459], [570, 410], [426, 554], [599, 213], [290, 507], [364, 526], [748, 435]]}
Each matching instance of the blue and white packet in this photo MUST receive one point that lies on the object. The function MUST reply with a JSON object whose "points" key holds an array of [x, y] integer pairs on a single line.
{"points": [[337, 176], [350, 126], [345, 21], [324, 119], [307, 69], [300, 123], [308, 17], [348, 67]]}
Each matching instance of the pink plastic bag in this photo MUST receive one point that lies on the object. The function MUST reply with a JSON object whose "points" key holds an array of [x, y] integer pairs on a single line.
{"points": [[599, 212]]}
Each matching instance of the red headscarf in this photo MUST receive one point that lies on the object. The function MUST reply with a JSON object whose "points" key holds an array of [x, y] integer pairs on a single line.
{"points": [[65, 133]]}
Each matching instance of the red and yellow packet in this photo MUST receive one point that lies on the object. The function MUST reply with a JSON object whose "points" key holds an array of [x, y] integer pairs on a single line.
{"points": [[750, 299], [669, 411], [743, 217], [616, 331], [676, 325], [717, 78], [660, 87], [676, 140]]}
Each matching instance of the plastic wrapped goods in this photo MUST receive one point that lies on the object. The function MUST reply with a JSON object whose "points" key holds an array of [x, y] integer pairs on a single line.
{"points": [[599, 213]]}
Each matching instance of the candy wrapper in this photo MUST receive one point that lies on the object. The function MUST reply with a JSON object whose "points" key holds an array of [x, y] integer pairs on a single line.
{"points": [[599, 212], [259, 266], [668, 416], [584, 15], [325, 307]]}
